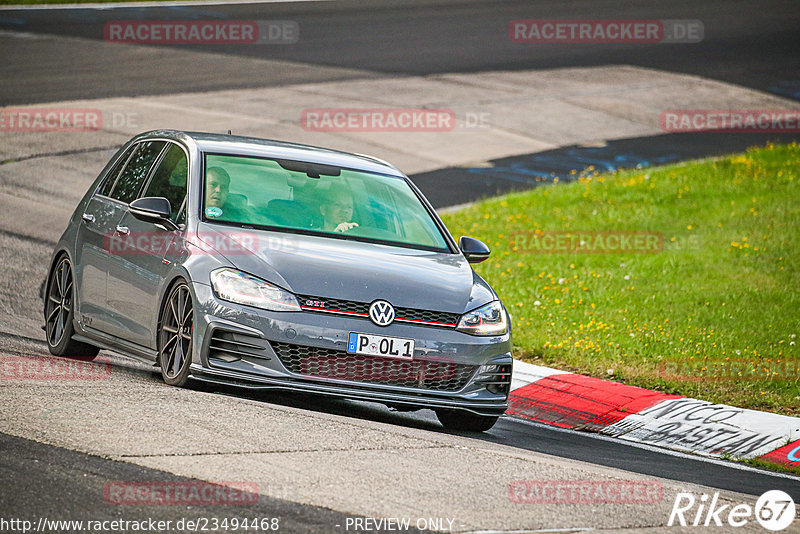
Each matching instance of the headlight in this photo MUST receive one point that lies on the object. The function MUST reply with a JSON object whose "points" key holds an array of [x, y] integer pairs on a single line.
{"points": [[488, 320], [236, 286]]}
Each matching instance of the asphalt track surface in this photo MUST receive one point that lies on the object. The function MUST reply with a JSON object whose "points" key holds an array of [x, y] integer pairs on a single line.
{"points": [[45, 481], [74, 481], [753, 44]]}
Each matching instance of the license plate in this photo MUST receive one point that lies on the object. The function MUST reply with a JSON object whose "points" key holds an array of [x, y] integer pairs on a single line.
{"points": [[373, 345]]}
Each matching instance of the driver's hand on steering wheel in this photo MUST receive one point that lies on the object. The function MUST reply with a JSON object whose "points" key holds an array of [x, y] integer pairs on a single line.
{"points": [[345, 226]]}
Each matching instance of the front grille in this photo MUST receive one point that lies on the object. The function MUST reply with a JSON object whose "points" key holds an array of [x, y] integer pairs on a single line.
{"points": [[230, 346], [410, 314], [333, 305], [329, 363], [349, 307]]}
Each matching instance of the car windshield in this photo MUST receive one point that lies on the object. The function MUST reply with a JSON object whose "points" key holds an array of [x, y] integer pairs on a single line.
{"points": [[317, 199]]}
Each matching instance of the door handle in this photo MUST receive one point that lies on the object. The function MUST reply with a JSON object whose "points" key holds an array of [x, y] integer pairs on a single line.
{"points": [[88, 217], [123, 230]]}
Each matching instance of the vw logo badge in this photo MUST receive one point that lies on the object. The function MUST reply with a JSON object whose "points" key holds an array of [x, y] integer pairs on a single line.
{"points": [[381, 313]]}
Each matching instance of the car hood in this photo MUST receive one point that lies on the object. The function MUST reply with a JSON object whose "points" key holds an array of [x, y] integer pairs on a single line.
{"points": [[353, 270]]}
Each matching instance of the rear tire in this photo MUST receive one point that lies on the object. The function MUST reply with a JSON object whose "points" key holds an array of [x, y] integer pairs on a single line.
{"points": [[465, 421], [59, 312]]}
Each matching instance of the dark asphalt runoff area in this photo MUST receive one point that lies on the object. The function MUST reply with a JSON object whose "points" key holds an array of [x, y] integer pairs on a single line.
{"points": [[42, 481], [749, 43], [752, 43], [527, 171]]}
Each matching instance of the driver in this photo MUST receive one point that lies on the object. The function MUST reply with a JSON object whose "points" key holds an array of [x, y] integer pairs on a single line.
{"points": [[217, 183]]}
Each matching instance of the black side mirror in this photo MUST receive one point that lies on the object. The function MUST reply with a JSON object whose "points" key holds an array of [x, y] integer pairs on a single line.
{"points": [[153, 209], [473, 249]]}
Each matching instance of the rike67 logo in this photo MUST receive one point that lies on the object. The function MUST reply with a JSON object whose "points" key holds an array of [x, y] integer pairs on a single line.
{"points": [[774, 510]]}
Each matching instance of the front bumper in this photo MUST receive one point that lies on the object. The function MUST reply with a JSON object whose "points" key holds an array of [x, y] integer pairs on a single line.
{"points": [[246, 347]]}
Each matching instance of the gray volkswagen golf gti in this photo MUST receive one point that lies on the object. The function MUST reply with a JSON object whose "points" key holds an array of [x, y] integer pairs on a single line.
{"points": [[271, 265]]}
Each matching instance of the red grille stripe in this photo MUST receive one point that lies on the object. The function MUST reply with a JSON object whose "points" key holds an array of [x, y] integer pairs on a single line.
{"points": [[341, 312]]}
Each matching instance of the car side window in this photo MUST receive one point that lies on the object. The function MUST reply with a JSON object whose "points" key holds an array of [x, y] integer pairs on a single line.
{"points": [[135, 172], [111, 176], [169, 179]]}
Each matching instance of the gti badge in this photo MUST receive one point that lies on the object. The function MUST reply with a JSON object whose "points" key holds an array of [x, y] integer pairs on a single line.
{"points": [[381, 313]]}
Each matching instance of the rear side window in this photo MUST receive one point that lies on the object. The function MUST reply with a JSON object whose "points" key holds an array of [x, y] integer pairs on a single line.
{"points": [[135, 172], [169, 179], [111, 177]]}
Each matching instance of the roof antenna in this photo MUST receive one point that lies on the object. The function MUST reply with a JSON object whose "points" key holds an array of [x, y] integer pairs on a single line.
{"points": [[229, 132]]}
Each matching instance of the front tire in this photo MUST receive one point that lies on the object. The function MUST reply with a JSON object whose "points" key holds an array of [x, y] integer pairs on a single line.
{"points": [[59, 312], [465, 421], [175, 336]]}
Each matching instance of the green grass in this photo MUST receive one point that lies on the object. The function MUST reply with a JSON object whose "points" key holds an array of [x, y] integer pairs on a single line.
{"points": [[770, 466], [724, 289]]}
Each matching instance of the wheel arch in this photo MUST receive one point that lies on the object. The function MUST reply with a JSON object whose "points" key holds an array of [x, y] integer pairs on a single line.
{"points": [[58, 253], [173, 281]]}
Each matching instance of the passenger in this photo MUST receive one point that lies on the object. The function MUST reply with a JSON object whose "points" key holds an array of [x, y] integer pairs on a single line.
{"points": [[337, 211], [233, 207]]}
